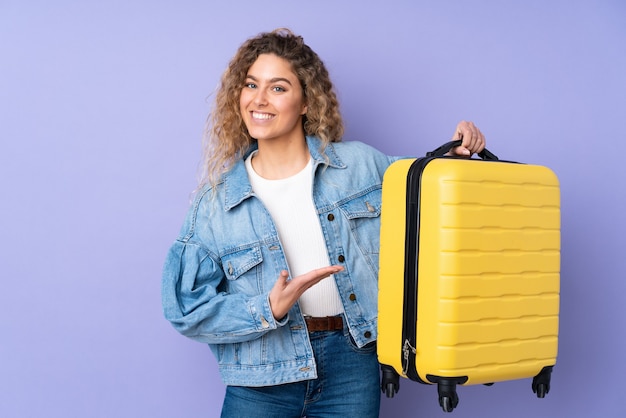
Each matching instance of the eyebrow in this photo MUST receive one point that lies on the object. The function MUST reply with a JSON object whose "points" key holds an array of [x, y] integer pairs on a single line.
{"points": [[272, 80]]}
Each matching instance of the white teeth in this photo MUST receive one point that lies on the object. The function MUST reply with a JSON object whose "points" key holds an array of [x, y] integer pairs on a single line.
{"points": [[263, 116]]}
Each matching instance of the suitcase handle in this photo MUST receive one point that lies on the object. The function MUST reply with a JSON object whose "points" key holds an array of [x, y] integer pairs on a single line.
{"points": [[485, 154]]}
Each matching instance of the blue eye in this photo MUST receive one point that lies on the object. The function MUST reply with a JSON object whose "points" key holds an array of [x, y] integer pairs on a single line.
{"points": [[250, 85], [278, 89]]}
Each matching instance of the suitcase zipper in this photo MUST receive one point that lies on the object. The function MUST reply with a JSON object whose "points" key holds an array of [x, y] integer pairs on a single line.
{"points": [[407, 349], [411, 279]]}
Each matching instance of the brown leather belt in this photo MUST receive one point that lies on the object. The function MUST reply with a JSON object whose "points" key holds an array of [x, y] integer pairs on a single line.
{"points": [[327, 323]]}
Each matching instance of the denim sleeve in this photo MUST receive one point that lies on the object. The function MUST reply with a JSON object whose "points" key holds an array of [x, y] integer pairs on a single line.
{"points": [[194, 305]]}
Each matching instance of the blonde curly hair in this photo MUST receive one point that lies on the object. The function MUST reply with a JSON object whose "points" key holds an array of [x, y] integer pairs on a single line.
{"points": [[226, 137]]}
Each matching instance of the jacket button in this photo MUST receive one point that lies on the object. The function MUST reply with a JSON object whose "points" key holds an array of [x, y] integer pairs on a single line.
{"points": [[352, 297], [367, 334], [331, 217], [341, 258]]}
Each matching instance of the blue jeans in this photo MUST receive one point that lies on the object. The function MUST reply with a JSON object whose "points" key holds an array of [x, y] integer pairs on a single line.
{"points": [[347, 385]]}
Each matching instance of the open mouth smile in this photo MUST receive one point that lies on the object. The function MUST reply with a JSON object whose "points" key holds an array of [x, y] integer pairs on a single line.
{"points": [[262, 116]]}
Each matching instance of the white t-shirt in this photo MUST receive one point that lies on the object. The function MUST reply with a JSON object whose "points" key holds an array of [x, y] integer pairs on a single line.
{"points": [[290, 203]]}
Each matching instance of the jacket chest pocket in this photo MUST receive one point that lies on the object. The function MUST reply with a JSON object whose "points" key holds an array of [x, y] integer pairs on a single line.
{"points": [[241, 263], [363, 214]]}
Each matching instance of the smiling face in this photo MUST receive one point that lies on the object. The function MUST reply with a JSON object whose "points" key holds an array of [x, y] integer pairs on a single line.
{"points": [[272, 101]]}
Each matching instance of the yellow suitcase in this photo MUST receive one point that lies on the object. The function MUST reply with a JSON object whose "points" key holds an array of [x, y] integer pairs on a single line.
{"points": [[469, 273]]}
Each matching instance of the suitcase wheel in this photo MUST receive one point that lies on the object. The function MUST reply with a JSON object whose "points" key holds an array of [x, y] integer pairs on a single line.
{"points": [[541, 382], [542, 390], [390, 381], [448, 398], [447, 403], [390, 390], [446, 388]]}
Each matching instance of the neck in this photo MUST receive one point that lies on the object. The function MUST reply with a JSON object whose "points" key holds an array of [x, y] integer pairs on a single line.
{"points": [[279, 160]]}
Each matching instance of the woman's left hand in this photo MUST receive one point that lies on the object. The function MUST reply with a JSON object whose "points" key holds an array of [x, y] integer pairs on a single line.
{"points": [[473, 139]]}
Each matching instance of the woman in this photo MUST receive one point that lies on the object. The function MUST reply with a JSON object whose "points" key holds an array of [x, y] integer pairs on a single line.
{"points": [[276, 265]]}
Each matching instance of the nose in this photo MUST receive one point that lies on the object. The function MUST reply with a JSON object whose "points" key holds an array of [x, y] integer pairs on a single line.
{"points": [[260, 98]]}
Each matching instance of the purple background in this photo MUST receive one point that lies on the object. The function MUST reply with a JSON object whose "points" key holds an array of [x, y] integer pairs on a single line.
{"points": [[102, 105]]}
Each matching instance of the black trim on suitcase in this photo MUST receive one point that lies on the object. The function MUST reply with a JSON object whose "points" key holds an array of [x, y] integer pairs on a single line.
{"points": [[411, 279]]}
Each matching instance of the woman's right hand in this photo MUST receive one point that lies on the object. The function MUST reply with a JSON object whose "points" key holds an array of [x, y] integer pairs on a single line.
{"points": [[286, 292]]}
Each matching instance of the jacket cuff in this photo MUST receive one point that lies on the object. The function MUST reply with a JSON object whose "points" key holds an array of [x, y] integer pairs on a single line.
{"points": [[262, 316]]}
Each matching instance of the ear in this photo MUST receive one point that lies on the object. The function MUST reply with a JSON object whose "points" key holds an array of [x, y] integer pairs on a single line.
{"points": [[304, 109]]}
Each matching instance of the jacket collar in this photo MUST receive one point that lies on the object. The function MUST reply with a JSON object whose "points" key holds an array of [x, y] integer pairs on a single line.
{"points": [[237, 186]]}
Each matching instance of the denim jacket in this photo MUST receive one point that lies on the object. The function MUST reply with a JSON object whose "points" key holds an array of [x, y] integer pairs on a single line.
{"points": [[219, 272]]}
